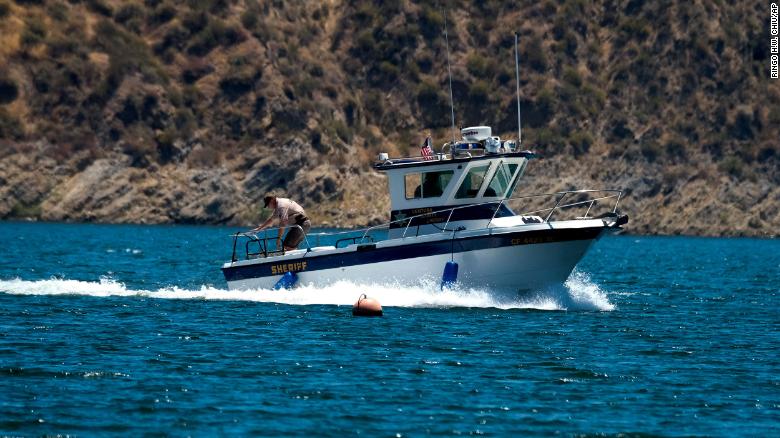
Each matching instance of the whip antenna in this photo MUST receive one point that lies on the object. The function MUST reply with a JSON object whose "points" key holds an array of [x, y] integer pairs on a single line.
{"points": [[517, 78], [449, 73]]}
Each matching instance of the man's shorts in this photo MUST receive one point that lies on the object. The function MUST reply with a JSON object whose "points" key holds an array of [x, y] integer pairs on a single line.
{"points": [[295, 235]]}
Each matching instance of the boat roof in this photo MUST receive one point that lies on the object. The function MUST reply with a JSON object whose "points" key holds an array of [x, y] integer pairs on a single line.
{"points": [[398, 163]]}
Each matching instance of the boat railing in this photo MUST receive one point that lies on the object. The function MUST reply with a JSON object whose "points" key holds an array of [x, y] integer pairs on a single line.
{"points": [[363, 235], [560, 196], [262, 242]]}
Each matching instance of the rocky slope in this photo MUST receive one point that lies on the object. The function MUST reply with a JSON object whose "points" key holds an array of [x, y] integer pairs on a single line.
{"points": [[190, 111]]}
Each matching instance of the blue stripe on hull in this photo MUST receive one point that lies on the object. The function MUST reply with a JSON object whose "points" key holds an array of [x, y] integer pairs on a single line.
{"points": [[362, 256]]}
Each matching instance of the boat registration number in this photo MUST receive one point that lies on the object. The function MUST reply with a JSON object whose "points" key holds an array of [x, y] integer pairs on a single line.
{"points": [[532, 240], [288, 267]]}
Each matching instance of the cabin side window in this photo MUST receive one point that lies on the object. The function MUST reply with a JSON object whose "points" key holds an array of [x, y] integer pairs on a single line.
{"points": [[516, 179], [426, 184], [472, 182], [500, 181]]}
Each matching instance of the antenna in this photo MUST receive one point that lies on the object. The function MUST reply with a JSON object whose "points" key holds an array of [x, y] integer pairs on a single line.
{"points": [[449, 73], [517, 77]]}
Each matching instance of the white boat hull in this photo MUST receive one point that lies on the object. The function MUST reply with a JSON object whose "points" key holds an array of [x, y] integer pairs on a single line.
{"points": [[522, 258]]}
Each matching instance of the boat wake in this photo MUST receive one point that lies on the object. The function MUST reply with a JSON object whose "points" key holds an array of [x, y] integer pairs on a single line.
{"points": [[578, 293]]}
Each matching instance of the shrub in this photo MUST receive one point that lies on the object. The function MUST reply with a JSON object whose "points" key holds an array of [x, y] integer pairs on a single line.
{"points": [[675, 149], [34, 32], [100, 7], [372, 102], [175, 37], [237, 83], [140, 152], [196, 69], [162, 14], [534, 55], [365, 44], [215, 33], [131, 16], [65, 44], [389, 72], [128, 12], [477, 65], [249, 19], [650, 150], [8, 90], [10, 127], [57, 11], [732, 166], [581, 141], [339, 129], [195, 21], [204, 157], [432, 23], [572, 76], [479, 92], [21, 210]]}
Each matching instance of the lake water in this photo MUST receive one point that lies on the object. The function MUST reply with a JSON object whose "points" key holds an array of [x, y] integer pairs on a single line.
{"points": [[129, 330]]}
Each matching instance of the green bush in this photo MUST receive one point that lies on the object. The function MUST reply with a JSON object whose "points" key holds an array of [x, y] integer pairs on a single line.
{"points": [[365, 44], [733, 166], [250, 19], [162, 14], [343, 131], [389, 71], [432, 23], [477, 65], [479, 92], [65, 44], [128, 12], [21, 210], [581, 141], [34, 32], [215, 33], [572, 76]]}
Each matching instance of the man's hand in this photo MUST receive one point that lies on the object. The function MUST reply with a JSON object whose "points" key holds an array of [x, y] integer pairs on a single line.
{"points": [[279, 243]]}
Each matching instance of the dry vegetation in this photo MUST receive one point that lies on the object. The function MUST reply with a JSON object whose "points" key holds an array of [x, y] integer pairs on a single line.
{"points": [[190, 110]]}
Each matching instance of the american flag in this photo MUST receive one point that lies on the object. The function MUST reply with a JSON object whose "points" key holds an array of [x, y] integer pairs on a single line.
{"points": [[427, 150]]}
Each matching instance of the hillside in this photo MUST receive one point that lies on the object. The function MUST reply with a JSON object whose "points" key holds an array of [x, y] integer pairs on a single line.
{"points": [[189, 111]]}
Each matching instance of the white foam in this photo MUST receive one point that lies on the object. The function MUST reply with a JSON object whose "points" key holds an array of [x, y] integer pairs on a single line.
{"points": [[579, 293]]}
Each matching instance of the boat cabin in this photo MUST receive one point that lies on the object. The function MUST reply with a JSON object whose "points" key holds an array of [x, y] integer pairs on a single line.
{"points": [[476, 173]]}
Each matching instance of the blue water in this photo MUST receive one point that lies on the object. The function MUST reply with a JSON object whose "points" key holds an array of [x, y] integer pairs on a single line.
{"points": [[129, 330]]}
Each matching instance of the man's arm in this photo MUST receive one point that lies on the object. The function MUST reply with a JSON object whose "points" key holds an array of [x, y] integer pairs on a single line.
{"points": [[279, 237], [264, 225]]}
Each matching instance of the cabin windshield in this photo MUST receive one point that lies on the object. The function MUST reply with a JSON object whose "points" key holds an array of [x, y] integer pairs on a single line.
{"points": [[426, 184], [500, 181], [471, 184]]}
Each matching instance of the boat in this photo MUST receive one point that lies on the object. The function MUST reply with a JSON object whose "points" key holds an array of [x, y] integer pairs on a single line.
{"points": [[449, 208]]}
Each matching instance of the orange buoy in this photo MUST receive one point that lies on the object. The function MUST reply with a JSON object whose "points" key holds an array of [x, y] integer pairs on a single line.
{"points": [[366, 306]]}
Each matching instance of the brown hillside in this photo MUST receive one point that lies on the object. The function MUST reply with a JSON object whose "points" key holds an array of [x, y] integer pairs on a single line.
{"points": [[189, 111]]}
